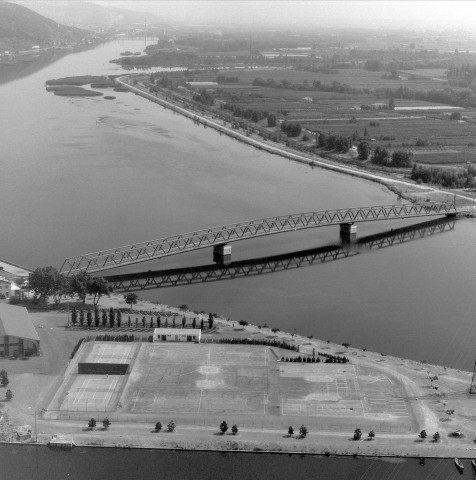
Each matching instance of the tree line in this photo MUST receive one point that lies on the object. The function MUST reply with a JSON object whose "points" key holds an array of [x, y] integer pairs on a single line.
{"points": [[47, 281], [113, 318], [446, 177]]}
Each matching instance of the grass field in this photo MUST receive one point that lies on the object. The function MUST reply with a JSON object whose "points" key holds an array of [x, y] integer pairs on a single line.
{"points": [[198, 382]]}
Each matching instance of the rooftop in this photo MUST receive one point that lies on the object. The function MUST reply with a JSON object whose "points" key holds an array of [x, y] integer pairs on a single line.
{"points": [[16, 322], [176, 331]]}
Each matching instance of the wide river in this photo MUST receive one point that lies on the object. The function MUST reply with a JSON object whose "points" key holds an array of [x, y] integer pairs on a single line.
{"points": [[85, 174]]}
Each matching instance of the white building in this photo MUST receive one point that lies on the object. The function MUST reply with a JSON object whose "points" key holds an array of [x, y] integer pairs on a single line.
{"points": [[177, 335]]}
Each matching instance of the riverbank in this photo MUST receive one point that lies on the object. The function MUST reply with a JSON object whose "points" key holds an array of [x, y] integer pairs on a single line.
{"points": [[35, 382], [404, 189]]}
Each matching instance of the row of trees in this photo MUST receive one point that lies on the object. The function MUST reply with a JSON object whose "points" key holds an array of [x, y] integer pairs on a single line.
{"points": [[423, 435], [446, 177], [47, 281], [106, 423], [329, 359], [113, 318], [170, 426], [224, 428]]}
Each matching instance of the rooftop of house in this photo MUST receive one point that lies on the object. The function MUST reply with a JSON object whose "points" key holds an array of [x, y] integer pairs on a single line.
{"points": [[15, 321]]}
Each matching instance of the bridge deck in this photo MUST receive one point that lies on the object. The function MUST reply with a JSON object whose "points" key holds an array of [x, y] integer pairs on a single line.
{"points": [[154, 249], [259, 266]]}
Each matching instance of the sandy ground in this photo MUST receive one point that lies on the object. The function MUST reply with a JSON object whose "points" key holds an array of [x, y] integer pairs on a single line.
{"points": [[35, 381]]}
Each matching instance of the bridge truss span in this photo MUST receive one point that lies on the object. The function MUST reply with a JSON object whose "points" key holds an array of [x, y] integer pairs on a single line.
{"points": [[155, 249]]}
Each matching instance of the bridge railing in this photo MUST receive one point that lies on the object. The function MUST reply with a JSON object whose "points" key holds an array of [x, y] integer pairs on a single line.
{"points": [[154, 249]]}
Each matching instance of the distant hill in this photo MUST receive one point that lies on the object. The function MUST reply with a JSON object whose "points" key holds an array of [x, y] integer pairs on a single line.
{"points": [[79, 12], [21, 28]]}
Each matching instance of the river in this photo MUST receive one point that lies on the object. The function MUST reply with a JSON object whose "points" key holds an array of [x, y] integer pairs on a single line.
{"points": [[85, 174], [108, 463]]}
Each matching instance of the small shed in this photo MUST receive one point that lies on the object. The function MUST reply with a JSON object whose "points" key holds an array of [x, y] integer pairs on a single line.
{"points": [[177, 335]]}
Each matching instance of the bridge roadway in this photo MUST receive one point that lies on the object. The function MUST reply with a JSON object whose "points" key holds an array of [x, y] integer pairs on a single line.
{"points": [[249, 268], [155, 249]]}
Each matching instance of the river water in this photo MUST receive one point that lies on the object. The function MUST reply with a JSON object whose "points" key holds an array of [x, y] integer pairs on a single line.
{"points": [[85, 174], [108, 463]]}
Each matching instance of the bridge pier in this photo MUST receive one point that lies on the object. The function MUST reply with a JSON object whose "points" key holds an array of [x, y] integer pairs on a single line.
{"points": [[348, 232], [222, 253]]}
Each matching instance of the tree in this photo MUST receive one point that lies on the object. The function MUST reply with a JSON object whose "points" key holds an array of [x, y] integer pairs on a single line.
{"points": [[210, 321], [111, 317], [391, 104], [106, 423], [455, 116], [81, 317], [223, 427], [89, 318], [380, 156], [74, 316], [184, 320], [423, 434], [99, 287], [194, 322], [79, 285], [8, 395], [290, 431], [46, 281], [436, 437], [158, 427], [357, 434], [96, 316], [171, 426], [92, 423], [131, 299], [143, 321], [271, 120], [104, 317], [366, 132], [371, 435], [303, 431], [402, 159], [234, 429], [118, 318], [363, 150]]}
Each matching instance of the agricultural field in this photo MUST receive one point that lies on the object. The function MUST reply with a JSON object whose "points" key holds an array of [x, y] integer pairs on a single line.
{"points": [[440, 139]]}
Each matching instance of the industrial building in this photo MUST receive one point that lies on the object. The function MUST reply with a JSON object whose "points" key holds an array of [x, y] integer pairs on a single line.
{"points": [[177, 335], [18, 336]]}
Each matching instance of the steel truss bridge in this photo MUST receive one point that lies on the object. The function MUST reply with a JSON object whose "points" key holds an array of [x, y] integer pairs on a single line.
{"points": [[155, 249], [278, 263]]}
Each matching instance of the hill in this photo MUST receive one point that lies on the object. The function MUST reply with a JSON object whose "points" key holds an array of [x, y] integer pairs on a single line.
{"points": [[21, 28], [85, 13]]}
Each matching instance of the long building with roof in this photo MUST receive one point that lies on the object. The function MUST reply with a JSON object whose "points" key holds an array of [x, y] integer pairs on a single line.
{"points": [[18, 336]]}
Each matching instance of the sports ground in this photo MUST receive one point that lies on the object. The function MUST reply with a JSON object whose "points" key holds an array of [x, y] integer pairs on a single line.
{"points": [[198, 383]]}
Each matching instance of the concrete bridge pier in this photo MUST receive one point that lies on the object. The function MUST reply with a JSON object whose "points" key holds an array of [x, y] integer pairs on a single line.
{"points": [[222, 253], [348, 232]]}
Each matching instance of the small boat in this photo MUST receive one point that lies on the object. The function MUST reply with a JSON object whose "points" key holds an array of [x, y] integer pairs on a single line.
{"points": [[473, 463], [459, 464]]}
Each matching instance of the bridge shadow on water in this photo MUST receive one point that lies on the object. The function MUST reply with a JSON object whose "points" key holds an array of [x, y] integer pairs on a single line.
{"points": [[277, 263]]}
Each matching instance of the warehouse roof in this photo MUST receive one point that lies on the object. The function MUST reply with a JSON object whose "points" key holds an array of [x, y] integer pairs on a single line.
{"points": [[16, 322]]}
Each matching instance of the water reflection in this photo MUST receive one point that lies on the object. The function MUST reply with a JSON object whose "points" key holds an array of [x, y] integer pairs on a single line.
{"points": [[277, 263]]}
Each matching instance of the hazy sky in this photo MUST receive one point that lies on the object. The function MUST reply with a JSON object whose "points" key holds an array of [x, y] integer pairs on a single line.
{"points": [[406, 13]]}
